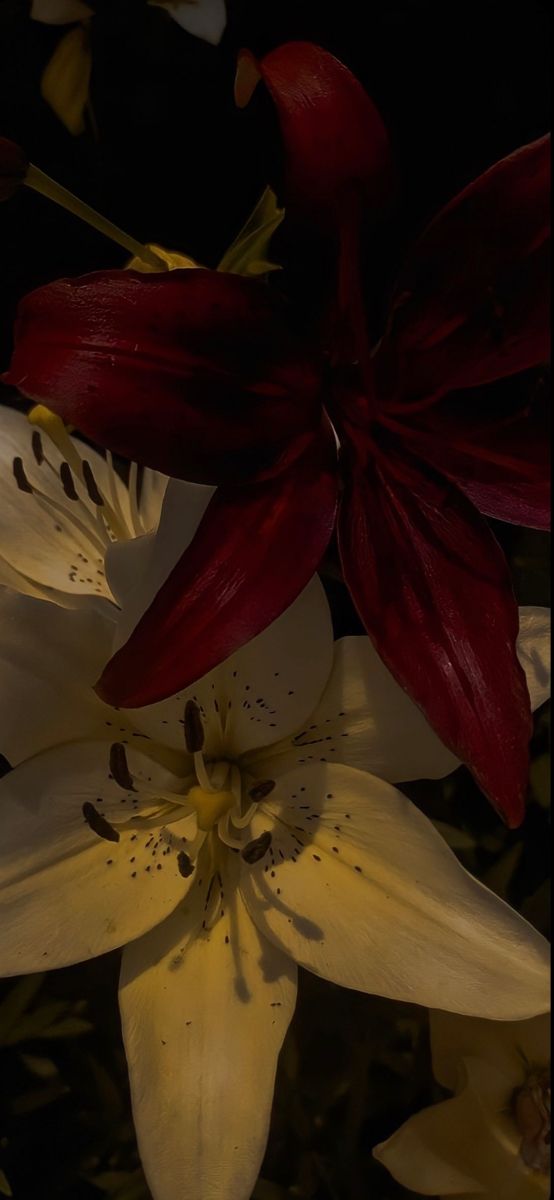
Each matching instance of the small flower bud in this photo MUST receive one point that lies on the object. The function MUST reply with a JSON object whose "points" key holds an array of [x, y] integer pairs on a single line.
{"points": [[13, 168]]}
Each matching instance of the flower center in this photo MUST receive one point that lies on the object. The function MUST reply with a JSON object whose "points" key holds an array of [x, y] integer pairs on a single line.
{"points": [[210, 806], [532, 1114]]}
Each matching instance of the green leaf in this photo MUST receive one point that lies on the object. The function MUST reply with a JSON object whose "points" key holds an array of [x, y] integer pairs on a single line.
{"points": [[248, 253]]}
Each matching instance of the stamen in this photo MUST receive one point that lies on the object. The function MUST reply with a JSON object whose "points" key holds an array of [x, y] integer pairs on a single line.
{"points": [[98, 823], [91, 485], [36, 443], [194, 728], [261, 790], [186, 867], [255, 850], [67, 482], [20, 476], [39, 182], [119, 767], [55, 430]]}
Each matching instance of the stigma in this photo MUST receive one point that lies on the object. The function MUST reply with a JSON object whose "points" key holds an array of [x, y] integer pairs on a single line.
{"points": [[210, 806]]}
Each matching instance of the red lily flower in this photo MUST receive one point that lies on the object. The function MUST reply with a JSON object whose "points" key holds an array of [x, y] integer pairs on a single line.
{"points": [[203, 376]]}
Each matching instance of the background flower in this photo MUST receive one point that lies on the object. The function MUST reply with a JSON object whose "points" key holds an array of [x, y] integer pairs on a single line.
{"points": [[494, 1138]]}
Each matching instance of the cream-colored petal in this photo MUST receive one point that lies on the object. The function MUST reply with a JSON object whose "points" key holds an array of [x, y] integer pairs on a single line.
{"points": [[205, 19], [183, 507], [55, 542], [359, 887], [50, 658], [506, 1045], [204, 1015], [261, 692], [67, 893], [152, 491], [365, 720], [59, 12], [534, 652]]}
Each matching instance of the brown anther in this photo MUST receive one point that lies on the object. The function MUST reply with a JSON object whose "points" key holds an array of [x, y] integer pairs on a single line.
{"points": [[36, 443], [119, 767], [247, 78], [254, 851], [98, 823], [261, 790], [194, 729], [186, 867], [91, 485], [20, 476], [68, 483]]}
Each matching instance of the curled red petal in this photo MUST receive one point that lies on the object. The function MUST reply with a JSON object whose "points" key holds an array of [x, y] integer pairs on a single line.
{"points": [[433, 590], [334, 138], [13, 168], [472, 303], [254, 551], [195, 373]]}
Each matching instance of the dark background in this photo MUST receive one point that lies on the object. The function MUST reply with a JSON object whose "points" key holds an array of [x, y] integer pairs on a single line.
{"points": [[172, 161]]}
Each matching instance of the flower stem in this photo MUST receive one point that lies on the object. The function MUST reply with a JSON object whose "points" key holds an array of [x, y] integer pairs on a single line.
{"points": [[39, 182]]}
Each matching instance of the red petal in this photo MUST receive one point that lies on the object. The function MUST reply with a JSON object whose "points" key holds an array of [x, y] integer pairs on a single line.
{"points": [[254, 551], [472, 305], [195, 373], [13, 168], [503, 466], [334, 137], [433, 590]]}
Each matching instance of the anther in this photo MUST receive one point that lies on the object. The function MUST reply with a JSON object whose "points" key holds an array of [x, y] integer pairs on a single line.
{"points": [[119, 767], [98, 823], [36, 443], [255, 850], [194, 729], [186, 867], [91, 485], [67, 482], [261, 790], [20, 476]]}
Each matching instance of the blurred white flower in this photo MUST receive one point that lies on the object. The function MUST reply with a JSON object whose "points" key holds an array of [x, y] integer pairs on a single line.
{"points": [[493, 1138]]}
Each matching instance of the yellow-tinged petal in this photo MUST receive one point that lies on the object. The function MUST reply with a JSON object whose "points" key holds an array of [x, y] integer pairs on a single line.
{"points": [[204, 1012], [376, 901], [174, 259], [508, 1045], [66, 79], [248, 254]]}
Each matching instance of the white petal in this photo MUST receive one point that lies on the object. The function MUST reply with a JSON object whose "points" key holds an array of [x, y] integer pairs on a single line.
{"points": [[59, 12], [205, 19], [204, 1016], [534, 652], [53, 541], [377, 901], [366, 720], [152, 492], [183, 507], [50, 658], [262, 692], [507, 1045], [66, 893], [451, 1149]]}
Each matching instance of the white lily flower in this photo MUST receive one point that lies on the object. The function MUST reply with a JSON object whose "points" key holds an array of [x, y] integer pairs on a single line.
{"points": [[227, 834], [61, 507], [492, 1139]]}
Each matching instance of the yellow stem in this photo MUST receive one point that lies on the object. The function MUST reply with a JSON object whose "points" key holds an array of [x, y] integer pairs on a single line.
{"points": [[39, 182]]}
